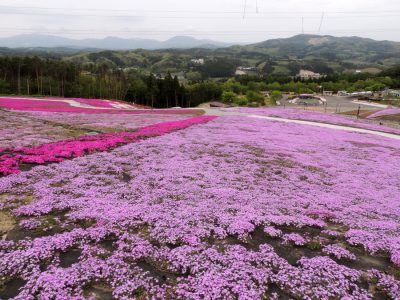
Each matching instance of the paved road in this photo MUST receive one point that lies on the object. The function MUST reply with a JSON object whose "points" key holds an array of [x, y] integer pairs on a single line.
{"points": [[218, 112], [342, 103]]}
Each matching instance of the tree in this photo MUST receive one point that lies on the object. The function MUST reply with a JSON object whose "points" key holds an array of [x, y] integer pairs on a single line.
{"points": [[137, 91], [233, 86], [275, 96], [218, 67], [253, 86], [4, 87], [204, 91], [377, 87], [152, 88], [176, 87], [274, 86], [193, 76]]}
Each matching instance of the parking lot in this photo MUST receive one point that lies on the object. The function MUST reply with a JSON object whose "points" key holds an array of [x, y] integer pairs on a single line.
{"points": [[335, 103]]}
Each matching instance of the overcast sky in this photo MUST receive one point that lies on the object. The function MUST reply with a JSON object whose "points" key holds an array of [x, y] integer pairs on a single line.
{"points": [[225, 20]]}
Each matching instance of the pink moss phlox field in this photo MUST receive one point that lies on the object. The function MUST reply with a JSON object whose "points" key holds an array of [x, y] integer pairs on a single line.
{"points": [[272, 231], [18, 130], [99, 106], [384, 112], [20, 102], [58, 151], [294, 238], [309, 115], [339, 252], [105, 121], [203, 213], [26, 129]]}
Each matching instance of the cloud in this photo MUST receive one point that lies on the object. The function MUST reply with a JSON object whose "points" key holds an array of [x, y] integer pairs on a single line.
{"points": [[222, 19]]}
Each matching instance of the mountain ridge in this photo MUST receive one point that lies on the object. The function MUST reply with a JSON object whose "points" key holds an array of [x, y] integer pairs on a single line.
{"points": [[107, 43]]}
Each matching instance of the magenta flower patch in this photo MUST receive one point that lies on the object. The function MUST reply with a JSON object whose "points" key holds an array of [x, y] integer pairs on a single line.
{"points": [[55, 152], [77, 105]]}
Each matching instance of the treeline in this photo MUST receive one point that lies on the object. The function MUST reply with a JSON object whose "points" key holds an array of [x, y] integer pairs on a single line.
{"points": [[53, 77], [372, 83], [37, 76], [34, 76]]}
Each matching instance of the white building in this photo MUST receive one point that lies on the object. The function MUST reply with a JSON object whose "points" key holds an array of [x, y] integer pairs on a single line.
{"points": [[240, 72], [197, 61], [306, 74]]}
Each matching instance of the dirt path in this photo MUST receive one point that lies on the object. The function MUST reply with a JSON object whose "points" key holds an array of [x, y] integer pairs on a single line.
{"points": [[217, 112]]}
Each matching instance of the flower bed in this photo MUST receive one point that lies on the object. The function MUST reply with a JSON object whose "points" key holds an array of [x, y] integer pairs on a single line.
{"points": [[106, 122], [87, 106], [55, 152], [27, 129], [236, 208], [384, 112], [18, 130], [308, 115]]}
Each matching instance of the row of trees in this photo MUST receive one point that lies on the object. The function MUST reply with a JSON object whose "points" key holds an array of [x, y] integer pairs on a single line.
{"points": [[52, 77], [45, 77], [36, 76], [370, 84]]}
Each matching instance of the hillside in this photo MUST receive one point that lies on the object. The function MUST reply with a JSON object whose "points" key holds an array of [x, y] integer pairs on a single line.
{"points": [[322, 54]]}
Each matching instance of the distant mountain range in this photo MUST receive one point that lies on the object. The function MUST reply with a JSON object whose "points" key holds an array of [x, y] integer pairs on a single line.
{"points": [[108, 43]]}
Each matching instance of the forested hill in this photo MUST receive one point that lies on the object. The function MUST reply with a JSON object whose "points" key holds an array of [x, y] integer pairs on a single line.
{"points": [[330, 47], [322, 54]]}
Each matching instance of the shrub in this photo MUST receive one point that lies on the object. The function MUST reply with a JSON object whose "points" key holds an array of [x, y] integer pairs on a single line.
{"points": [[253, 96], [241, 101], [229, 97]]}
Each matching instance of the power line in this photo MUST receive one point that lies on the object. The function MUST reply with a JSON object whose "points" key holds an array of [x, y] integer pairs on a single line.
{"points": [[320, 24], [190, 17], [195, 11], [156, 32]]}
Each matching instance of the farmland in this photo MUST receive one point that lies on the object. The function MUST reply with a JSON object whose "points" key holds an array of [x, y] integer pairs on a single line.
{"points": [[101, 200]]}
